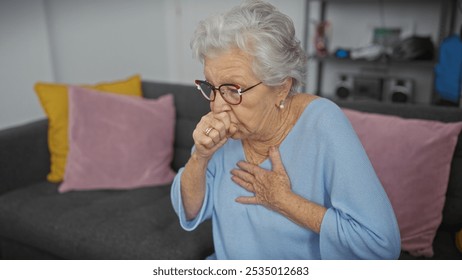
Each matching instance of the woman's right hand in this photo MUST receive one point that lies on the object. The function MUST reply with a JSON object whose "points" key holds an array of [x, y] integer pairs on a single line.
{"points": [[211, 133]]}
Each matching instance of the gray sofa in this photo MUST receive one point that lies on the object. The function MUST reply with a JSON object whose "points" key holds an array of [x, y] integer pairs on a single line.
{"points": [[36, 222]]}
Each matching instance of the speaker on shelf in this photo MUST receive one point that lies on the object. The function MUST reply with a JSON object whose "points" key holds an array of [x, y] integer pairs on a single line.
{"points": [[344, 86], [399, 90]]}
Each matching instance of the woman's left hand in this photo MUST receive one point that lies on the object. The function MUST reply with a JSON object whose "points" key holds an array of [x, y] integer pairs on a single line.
{"points": [[268, 186]]}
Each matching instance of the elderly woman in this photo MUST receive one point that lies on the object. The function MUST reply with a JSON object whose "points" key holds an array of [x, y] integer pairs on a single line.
{"points": [[282, 175]]}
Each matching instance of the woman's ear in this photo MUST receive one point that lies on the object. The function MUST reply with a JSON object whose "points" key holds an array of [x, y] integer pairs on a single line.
{"points": [[284, 91], [285, 88]]}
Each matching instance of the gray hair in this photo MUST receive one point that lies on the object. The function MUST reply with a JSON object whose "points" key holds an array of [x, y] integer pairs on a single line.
{"points": [[260, 30]]}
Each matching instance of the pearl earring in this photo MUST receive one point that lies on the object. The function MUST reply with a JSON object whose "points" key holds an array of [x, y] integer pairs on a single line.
{"points": [[281, 104]]}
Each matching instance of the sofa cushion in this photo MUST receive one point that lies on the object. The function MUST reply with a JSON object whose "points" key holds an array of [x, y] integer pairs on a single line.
{"points": [[412, 158], [54, 100], [452, 213], [106, 224], [118, 142]]}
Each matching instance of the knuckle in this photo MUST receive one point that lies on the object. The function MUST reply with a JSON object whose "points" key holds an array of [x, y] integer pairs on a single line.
{"points": [[196, 138], [207, 141], [220, 125], [203, 119]]}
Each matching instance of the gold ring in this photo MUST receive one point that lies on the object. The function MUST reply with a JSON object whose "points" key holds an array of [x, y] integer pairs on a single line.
{"points": [[207, 130]]}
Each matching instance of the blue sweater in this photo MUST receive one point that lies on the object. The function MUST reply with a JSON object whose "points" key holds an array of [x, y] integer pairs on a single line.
{"points": [[326, 164]]}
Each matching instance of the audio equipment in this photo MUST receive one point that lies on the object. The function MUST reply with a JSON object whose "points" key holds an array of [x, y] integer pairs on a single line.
{"points": [[399, 90], [344, 87], [359, 87]]}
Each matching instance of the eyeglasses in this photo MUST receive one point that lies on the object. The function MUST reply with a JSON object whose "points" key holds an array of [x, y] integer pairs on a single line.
{"points": [[231, 93]]}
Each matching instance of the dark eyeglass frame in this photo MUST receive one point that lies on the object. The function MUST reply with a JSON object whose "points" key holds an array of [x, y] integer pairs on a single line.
{"points": [[238, 87]]}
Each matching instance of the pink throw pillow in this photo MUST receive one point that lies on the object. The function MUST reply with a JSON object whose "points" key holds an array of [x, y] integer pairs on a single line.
{"points": [[412, 159], [118, 142]]}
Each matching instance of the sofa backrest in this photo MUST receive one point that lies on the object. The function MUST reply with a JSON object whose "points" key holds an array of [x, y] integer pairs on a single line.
{"points": [[452, 213], [190, 106]]}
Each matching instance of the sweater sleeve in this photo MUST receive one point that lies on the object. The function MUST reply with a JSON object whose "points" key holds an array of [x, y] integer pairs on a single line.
{"points": [[207, 206], [360, 222]]}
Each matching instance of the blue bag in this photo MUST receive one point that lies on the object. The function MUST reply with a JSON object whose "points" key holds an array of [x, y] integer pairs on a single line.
{"points": [[448, 71]]}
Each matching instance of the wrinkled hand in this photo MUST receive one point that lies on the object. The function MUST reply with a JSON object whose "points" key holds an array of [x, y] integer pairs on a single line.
{"points": [[211, 133], [268, 186]]}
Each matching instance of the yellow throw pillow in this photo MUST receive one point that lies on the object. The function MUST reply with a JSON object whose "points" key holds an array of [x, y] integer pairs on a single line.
{"points": [[54, 100]]}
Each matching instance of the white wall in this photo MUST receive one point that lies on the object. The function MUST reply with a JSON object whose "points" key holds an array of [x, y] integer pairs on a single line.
{"points": [[24, 59], [93, 41], [99, 40], [86, 41]]}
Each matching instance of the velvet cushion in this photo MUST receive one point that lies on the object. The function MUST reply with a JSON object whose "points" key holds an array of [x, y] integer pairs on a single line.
{"points": [[118, 142], [412, 159], [54, 100]]}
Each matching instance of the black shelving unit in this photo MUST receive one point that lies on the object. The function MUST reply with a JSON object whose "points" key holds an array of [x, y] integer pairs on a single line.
{"points": [[448, 10]]}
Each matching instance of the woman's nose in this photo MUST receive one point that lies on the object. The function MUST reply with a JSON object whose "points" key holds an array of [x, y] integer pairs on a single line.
{"points": [[219, 104]]}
